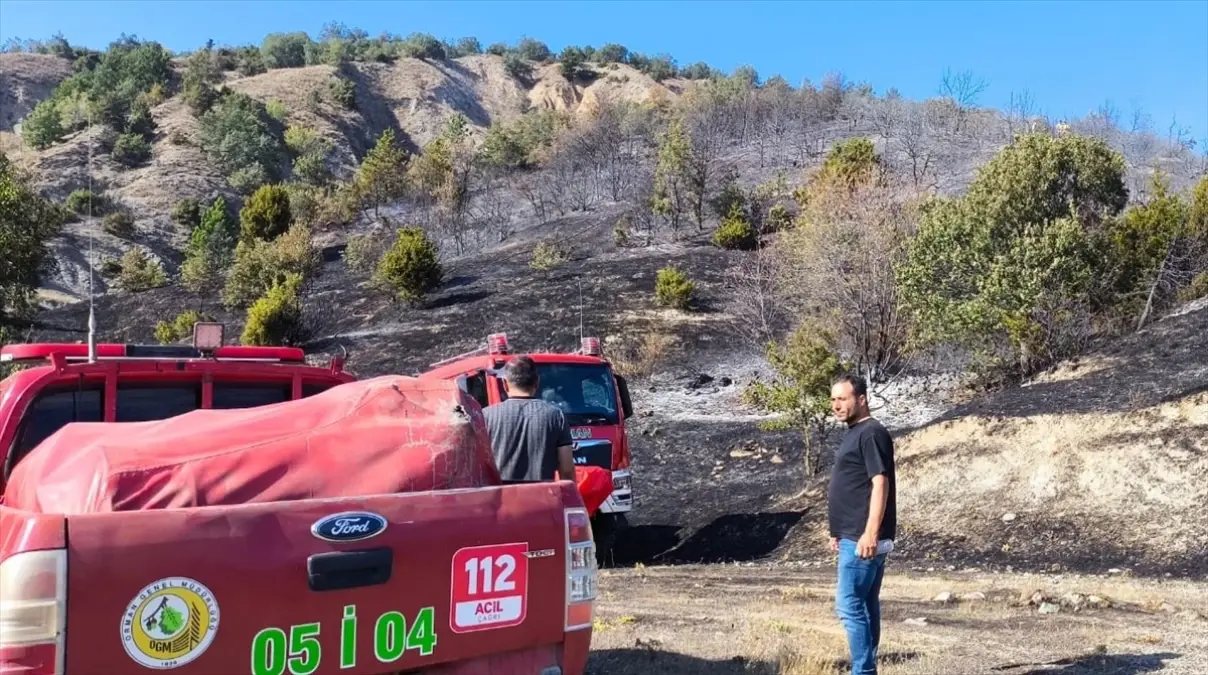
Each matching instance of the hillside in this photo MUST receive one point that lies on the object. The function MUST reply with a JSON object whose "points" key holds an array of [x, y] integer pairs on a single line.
{"points": [[1037, 426]]}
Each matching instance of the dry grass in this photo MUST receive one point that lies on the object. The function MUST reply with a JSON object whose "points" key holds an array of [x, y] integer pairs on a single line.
{"points": [[641, 356], [726, 620], [25, 80]]}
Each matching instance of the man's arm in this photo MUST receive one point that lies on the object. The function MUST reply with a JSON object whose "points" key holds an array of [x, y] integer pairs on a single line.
{"points": [[875, 448], [566, 458]]}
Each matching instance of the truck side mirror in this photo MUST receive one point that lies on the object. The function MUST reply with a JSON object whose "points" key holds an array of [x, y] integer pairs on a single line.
{"points": [[626, 402]]}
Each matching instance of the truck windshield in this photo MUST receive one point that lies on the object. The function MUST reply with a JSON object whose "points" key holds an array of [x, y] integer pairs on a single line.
{"points": [[586, 393]]}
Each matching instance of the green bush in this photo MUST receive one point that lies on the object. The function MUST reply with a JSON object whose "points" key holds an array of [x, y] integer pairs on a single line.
{"points": [[547, 256], [411, 268], [42, 128], [237, 133], [140, 273], [779, 219], [187, 213], [735, 232], [276, 317], [245, 181], [178, 329], [344, 92], [673, 288], [266, 214], [362, 252], [119, 224], [259, 264], [77, 202], [131, 149], [276, 110]]}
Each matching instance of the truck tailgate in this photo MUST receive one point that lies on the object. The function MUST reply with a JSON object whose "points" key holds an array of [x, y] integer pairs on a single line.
{"points": [[258, 589]]}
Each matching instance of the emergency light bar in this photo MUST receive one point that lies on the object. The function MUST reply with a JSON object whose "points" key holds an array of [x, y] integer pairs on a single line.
{"points": [[76, 352], [590, 346], [497, 343]]}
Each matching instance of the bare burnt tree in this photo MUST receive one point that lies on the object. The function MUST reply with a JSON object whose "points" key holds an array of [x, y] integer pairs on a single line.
{"points": [[777, 101], [707, 124], [841, 267], [756, 302], [1021, 106], [887, 116], [962, 91], [918, 142], [491, 208]]}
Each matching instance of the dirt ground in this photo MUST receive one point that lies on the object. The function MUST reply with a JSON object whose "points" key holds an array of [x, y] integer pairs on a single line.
{"points": [[748, 619]]}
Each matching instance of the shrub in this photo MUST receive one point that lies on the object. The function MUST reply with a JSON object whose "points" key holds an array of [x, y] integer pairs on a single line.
{"points": [[42, 128], [362, 252], [276, 317], [246, 180], [259, 264], [266, 214], [673, 288], [518, 68], [237, 133], [276, 110], [131, 149], [110, 268], [140, 273], [77, 202], [344, 92], [533, 50], [411, 268], [548, 256], [779, 219], [119, 224], [735, 232], [622, 231], [187, 213], [178, 329], [1198, 288]]}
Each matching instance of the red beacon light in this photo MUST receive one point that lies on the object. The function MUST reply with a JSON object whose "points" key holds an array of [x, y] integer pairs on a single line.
{"points": [[591, 346], [497, 343]]}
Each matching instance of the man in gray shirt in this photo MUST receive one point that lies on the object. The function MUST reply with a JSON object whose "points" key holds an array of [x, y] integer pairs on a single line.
{"points": [[529, 437]]}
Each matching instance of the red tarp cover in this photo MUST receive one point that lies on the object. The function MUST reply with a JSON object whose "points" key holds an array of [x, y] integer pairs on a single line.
{"points": [[383, 435], [595, 484]]}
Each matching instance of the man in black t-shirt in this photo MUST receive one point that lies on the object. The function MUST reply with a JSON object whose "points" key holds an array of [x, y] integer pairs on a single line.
{"points": [[862, 515], [530, 437]]}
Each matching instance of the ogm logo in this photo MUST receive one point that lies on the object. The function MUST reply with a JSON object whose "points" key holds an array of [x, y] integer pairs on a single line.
{"points": [[580, 433], [349, 526], [170, 623]]}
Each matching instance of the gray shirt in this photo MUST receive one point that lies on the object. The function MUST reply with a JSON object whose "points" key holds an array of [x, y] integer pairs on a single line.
{"points": [[525, 435]]}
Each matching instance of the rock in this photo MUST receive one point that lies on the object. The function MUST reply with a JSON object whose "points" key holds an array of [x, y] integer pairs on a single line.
{"points": [[1074, 600], [945, 597], [725, 382], [975, 596], [919, 621], [1034, 598], [1049, 608], [1099, 602], [739, 453], [1008, 517], [776, 459], [1168, 608], [700, 381]]}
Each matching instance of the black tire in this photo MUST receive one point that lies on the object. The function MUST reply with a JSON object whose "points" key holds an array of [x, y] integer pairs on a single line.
{"points": [[604, 533]]}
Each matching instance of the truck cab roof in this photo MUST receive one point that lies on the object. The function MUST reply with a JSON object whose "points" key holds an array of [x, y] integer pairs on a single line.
{"points": [[58, 383]]}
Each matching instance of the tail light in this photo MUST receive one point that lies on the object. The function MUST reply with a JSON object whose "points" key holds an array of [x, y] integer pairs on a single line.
{"points": [[33, 612], [580, 570]]}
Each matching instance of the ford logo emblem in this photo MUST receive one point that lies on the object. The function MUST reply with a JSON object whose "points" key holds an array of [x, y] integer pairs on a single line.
{"points": [[349, 526]]}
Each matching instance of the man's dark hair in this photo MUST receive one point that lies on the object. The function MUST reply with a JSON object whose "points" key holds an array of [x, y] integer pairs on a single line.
{"points": [[521, 373], [858, 386]]}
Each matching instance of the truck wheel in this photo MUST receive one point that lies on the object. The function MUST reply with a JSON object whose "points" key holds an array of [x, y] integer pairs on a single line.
{"points": [[604, 531]]}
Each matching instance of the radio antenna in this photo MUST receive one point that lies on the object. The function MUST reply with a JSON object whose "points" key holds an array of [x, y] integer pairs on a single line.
{"points": [[91, 310], [580, 280]]}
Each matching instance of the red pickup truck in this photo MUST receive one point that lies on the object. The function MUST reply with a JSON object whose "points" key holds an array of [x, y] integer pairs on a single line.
{"points": [[259, 515]]}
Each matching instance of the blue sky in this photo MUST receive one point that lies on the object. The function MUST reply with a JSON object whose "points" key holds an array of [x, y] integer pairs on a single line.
{"points": [[1072, 56]]}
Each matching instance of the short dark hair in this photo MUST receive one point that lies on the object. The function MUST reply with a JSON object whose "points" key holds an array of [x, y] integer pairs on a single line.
{"points": [[521, 372], [858, 386]]}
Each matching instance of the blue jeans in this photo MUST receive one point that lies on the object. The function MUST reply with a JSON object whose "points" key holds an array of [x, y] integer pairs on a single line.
{"points": [[858, 604]]}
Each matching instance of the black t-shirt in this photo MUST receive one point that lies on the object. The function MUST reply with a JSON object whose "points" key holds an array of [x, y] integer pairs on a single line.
{"points": [[865, 451]]}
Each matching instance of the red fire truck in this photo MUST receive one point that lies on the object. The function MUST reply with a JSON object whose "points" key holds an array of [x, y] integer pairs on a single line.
{"points": [[594, 398]]}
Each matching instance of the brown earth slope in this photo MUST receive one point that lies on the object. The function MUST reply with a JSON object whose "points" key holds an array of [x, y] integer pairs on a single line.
{"points": [[411, 96]]}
